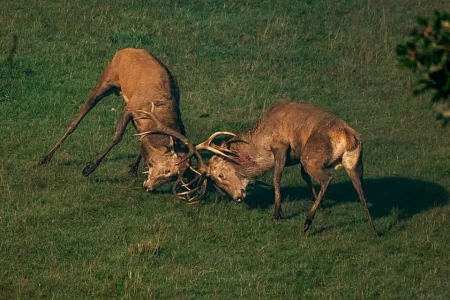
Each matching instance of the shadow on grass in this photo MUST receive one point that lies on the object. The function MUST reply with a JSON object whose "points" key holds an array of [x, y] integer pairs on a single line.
{"points": [[407, 196]]}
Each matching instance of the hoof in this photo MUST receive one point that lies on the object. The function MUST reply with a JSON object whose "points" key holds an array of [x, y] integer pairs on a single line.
{"points": [[276, 217], [307, 226], [374, 233], [45, 160], [89, 169], [132, 172]]}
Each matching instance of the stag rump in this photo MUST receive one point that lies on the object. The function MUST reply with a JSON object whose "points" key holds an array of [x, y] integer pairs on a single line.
{"points": [[145, 84], [291, 133]]}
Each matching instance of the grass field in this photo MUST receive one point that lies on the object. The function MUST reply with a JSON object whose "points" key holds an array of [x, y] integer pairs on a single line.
{"points": [[64, 236]]}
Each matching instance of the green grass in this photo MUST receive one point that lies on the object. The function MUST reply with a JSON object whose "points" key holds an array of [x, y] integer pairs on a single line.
{"points": [[64, 236]]}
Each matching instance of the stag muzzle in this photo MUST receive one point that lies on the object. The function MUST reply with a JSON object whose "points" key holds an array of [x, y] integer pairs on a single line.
{"points": [[151, 186], [239, 196]]}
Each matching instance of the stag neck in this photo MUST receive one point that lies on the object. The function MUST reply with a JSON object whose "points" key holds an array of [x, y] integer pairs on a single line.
{"points": [[253, 161]]}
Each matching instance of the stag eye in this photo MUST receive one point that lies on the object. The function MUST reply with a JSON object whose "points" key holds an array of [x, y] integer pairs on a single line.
{"points": [[221, 176], [167, 172]]}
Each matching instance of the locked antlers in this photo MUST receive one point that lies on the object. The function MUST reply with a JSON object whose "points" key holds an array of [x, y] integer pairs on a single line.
{"points": [[195, 188]]}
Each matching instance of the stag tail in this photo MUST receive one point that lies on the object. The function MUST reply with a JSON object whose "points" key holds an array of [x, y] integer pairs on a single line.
{"points": [[352, 139]]}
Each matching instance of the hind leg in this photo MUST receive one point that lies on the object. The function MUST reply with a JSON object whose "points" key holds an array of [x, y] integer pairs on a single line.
{"points": [[315, 160], [356, 175], [324, 178], [307, 179], [106, 85]]}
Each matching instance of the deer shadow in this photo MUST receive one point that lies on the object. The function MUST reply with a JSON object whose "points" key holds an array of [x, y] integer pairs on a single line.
{"points": [[407, 196]]}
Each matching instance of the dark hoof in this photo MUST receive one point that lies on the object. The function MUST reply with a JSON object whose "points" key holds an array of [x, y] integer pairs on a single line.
{"points": [[374, 233], [133, 169], [132, 172], [276, 217], [45, 160], [89, 169], [307, 226]]}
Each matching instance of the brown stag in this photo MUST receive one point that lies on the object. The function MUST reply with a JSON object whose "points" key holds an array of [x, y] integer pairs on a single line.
{"points": [[290, 133], [146, 85]]}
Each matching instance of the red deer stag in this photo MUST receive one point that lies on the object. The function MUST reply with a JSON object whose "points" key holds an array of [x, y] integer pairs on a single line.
{"points": [[290, 133], [146, 84]]}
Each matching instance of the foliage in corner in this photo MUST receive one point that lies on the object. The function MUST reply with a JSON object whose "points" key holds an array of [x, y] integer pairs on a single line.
{"points": [[427, 53]]}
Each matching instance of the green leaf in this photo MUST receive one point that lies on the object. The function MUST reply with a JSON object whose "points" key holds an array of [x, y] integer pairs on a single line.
{"points": [[401, 50], [422, 21]]}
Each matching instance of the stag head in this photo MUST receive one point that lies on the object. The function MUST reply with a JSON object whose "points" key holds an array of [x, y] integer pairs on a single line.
{"points": [[227, 175], [224, 169], [162, 166]]}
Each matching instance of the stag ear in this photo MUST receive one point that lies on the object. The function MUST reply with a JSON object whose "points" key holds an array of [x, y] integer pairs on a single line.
{"points": [[231, 141], [170, 149]]}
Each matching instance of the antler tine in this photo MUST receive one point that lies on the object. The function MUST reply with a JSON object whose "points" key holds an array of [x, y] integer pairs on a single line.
{"points": [[198, 191], [221, 151], [162, 129], [195, 181], [191, 190], [207, 144], [175, 189], [217, 134]]}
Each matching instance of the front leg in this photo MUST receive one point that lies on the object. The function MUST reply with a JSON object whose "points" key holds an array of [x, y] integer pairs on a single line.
{"points": [[279, 154], [122, 123], [134, 166]]}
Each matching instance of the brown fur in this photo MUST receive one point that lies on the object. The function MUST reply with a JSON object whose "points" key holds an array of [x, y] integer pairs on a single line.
{"points": [[142, 80], [292, 133]]}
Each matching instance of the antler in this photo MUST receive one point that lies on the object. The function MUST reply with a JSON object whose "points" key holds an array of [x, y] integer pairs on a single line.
{"points": [[162, 129], [195, 188], [190, 191], [221, 151]]}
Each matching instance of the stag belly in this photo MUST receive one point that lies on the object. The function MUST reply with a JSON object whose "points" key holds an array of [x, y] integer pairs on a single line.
{"points": [[290, 161]]}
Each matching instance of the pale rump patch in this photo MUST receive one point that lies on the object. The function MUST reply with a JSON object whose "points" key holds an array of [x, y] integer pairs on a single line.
{"points": [[351, 158], [338, 145], [340, 156]]}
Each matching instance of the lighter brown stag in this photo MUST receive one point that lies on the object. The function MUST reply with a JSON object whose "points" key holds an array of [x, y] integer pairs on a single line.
{"points": [[146, 85], [291, 133]]}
